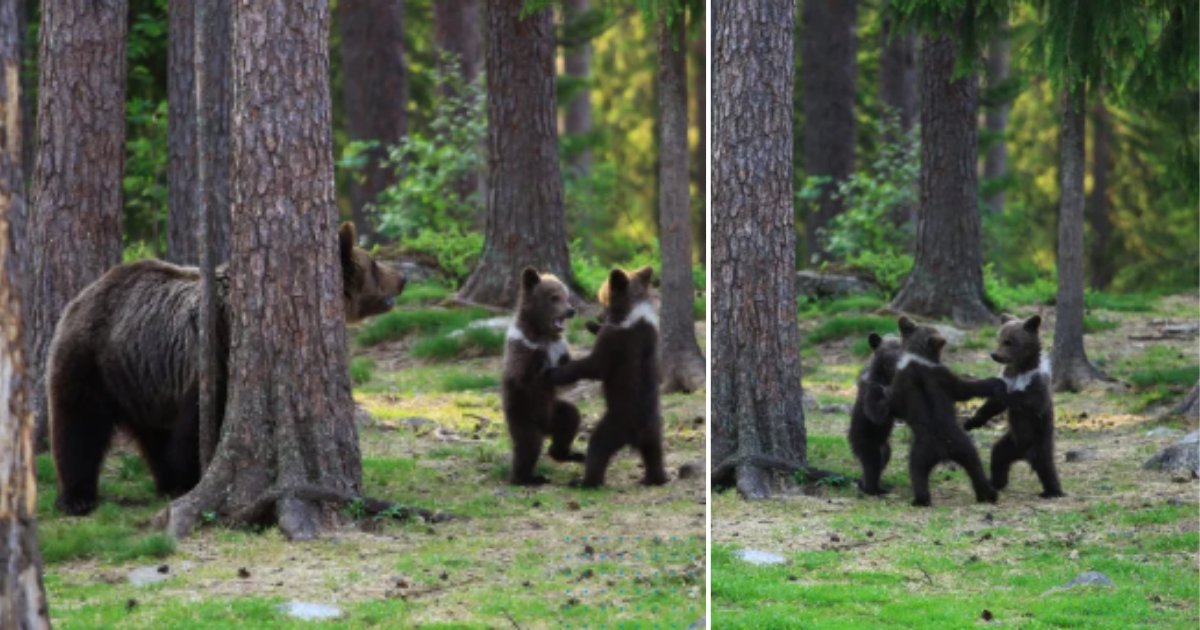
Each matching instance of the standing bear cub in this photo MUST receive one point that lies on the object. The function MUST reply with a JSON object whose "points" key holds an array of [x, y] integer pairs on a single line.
{"points": [[871, 420], [625, 360], [1030, 434], [532, 409], [124, 355]]}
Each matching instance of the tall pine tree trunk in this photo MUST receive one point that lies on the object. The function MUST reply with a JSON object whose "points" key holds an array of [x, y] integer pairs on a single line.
{"points": [[1098, 206], [829, 74], [525, 223], [1072, 371], [757, 415], [699, 60], [76, 217], [375, 94], [898, 93], [458, 30], [288, 429], [682, 363], [578, 64], [184, 223], [995, 162], [947, 275], [22, 594]]}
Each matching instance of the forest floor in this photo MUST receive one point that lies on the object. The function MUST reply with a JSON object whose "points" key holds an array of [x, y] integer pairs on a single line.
{"points": [[846, 560], [553, 556]]}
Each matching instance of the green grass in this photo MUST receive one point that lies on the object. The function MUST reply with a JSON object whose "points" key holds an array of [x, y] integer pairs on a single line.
{"points": [[1096, 324], [836, 306], [464, 381], [426, 321], [1182, 377], [424, 293], [361, 369], [843, 326], [468, 342], [1122, 302]]}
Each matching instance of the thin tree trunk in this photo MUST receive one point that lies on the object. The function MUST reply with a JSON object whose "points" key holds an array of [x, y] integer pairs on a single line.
{"points": [[682, 363], [76, 218], [898, 93], [458, 30], [289, 417], [1098, 206], [374, 93], [185, 219], [578, 64], [947, 275], [22, 594], [995, 162], [525, 223], [699, 163], [1072, 371], [829, 74], [756, 401], [210, 367]]}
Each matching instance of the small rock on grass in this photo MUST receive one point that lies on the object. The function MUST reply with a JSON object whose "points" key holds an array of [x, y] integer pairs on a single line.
{"points": [[690, 469], [1181, 457], [760, 557], [310, 610], [1088, 578], [1163, 432], [145, 576]]}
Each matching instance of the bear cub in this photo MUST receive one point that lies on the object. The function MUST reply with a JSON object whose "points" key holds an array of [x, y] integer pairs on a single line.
{"points": [[625, 360], [871, 421], [124, 355], [532, 409], [1030, 406], [924, 394]]}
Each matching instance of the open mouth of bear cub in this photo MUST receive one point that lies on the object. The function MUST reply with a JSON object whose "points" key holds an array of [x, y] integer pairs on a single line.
{"points": [[560, 324]]}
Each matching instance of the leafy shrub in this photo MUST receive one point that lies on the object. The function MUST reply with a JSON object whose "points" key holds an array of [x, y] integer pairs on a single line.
{"points": [[424, 293], [456, 251], [1008, 298], [361, 369]]}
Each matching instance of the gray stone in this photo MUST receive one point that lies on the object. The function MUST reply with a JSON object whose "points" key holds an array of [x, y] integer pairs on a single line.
{"points": [[820, 284], [760, 557], [310, 611], [1181, 457], [952, 335], [1163, 432], [145, 576], [1089, 578]]}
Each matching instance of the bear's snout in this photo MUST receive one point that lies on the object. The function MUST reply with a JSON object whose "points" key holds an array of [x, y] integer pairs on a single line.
{"points": [[570, 312], [998, 358]]}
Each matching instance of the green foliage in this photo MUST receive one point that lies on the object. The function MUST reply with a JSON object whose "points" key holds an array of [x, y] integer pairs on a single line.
{"points": [[810, 308], [1007, 297], [419, 293], [843, 326], [454, 249], [1181, 377], [1095, 324], [361, 369], [144, 185], [464, 381], [467, 342], [888, 268], [1123, 302], [427, 321]]}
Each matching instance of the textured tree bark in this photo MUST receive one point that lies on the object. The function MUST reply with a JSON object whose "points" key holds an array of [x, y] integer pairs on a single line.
{"points": [[756, 400], [829, 71], [374, 94], [76, 211], [289, 416], [458, 30], [22, 594], [184, 228], [995, 162], [898, 92], [947, 275], [1098, 206], [1072, 371], [578, 64], [700, 164], [525, 223], [682, 363]]}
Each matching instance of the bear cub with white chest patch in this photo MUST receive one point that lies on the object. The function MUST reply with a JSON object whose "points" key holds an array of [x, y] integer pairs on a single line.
{"points": [[1029, 403], [532, 409], [625, 360]]}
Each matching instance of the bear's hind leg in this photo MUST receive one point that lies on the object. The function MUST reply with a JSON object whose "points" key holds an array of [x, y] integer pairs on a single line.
{"points": [[921, 460], [873, 460], [183, 449], [964, 454], [564, 426], [82, 422], [527, 447], [651, 449], [1004, 453], [1041, 459], [154, 444], [607, 438]]}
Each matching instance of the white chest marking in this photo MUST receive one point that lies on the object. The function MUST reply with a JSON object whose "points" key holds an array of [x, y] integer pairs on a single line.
{"points": [[644, 311], [907, 358], [1023, 380], [555, 350]]}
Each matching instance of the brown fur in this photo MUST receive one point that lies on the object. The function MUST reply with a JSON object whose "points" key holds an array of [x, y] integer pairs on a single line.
{"points": [[532, 409], [125, 355], [871, 421], [625, 360]]}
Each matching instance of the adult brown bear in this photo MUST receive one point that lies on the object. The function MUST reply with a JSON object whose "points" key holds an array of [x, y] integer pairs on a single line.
{"points": [[124, 355]]}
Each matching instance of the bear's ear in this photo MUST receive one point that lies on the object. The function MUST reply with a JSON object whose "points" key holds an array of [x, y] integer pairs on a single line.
{"points": [[1032, 323], [346, 239], [937, 342], [617, 281], [529, 278], [1005, 318], [874, 339], [645, 275], [906, 326]]}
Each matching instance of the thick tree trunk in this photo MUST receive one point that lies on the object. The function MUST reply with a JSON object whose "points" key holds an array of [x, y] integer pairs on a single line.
{"points": [[458, 30], [22, 594], [829, 73], [682, 363], [699, 163], [756, 401], [184, 223], [1072, 371], [76, 217], [578, 64], [210, 238], [374, 93], [525, 223], [289, 417], [947, 275], [1098, 207], [898, 93], [995, 162]]}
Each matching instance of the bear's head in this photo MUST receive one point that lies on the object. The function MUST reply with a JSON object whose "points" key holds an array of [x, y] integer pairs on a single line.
{"points": [[1018, 342], [885, 354], [924, 341], [543, 306], [368, 287], [624, 291]]}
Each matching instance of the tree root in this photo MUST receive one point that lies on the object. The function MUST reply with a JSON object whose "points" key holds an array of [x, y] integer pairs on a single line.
{"points": [[724, 474]]}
